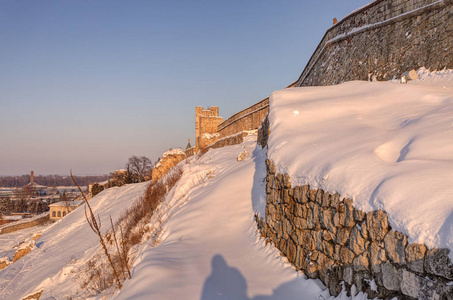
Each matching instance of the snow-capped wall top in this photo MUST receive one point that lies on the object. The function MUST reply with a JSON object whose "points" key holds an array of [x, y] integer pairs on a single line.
{"points": [[174, 151], [387, 146]]}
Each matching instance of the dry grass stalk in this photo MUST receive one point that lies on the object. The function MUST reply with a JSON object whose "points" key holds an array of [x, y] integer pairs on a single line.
{"points": [[95, 225]]}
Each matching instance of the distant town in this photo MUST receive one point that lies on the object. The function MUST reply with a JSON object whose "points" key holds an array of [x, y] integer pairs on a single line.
{"points": [[28, 195]]}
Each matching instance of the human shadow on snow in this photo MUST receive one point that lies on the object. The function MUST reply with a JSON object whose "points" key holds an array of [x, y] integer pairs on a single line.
{"points": [[227, 283]]}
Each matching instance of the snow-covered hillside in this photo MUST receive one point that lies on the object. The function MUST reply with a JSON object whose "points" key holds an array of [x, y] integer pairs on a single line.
{"points": [[211, 248], [64, 247]]}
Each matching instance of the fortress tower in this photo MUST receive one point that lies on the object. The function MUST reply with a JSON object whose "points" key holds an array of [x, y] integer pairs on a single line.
{"points": [[206, 121]]}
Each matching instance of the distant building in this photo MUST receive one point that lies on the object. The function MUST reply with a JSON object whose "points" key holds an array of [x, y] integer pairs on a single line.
{"points": [[60, 209]]}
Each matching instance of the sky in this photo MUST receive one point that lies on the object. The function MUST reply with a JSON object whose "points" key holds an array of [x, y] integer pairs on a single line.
{"points": [[86, 84]]}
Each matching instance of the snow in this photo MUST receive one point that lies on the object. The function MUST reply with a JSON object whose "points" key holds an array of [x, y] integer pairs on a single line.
{"points": [[211, 248], [62, 246], [66, 203], [387, 146], [21, 220], [174, 151], [210, 135]]}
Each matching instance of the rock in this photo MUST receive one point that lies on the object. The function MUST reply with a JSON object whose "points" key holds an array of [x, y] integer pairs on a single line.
{"points": [[291, 251], [415, 254], [359, 215], [347, 214], [361, 262], [300, 223], [3, 264], [328, 249], [377, 255], [438, 263], [326, 221], [390, 277], [364, 230], [356, 242], [34, 296], [311, 270], [326, 200], [342, 236], [335, 201], [346, 256], [169, 159], [243, 155], [21, 253], [317, 238], [410, 284], [395, 245], [377, 225], [348, 275]]}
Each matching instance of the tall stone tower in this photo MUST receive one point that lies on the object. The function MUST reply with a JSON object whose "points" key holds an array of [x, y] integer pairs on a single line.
{"points": [[32, 174], [206, 121]]}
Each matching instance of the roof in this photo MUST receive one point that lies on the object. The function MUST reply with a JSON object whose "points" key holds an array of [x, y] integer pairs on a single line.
{"points": [[74, 203]]}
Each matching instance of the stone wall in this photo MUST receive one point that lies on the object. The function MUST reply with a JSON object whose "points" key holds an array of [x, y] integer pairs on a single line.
{"points": [[326, 237], [247, 119], [206, 122], [382, 40], [168, 160], [22, 225]]}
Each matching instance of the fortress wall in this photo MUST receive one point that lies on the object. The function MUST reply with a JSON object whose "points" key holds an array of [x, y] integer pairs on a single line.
{"points": [[383, 39], [325, 236], [247, 119]]}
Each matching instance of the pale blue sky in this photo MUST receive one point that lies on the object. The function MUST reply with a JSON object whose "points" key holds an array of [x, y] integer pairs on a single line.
{"points": [[86, 84]]}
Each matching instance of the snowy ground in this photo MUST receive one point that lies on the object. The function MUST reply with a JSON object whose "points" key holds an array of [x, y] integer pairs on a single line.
{"points": [[63, 246], [210, 248], [386, 145]]}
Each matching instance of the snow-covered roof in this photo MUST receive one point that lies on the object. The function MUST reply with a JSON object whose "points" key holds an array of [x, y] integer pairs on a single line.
{"points": [[66, 203]]}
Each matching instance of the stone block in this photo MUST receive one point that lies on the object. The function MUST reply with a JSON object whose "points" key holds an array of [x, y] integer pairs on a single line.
{"points": [[359, 215], [300, 223], [410, 284], [377, 225], [346, 256], [348, 275], [361, 262], [390, 277], [438, 263], [326, 199], [291, 251], [342, 236], [357, 243], [377, 257], [335, 200], [395, 245], [347, 213], [415, 254]]}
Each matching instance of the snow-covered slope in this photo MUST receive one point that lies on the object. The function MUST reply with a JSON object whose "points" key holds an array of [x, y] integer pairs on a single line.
{"points": [[210, 248], [386, 145], [49, 265]]}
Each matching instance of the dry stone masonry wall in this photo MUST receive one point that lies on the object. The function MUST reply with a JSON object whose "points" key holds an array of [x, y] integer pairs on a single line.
{"points": [[382, 40], [326, 237]]}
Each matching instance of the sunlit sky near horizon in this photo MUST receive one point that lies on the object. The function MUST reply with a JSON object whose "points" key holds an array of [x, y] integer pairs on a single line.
{"points": [[86, 84]]}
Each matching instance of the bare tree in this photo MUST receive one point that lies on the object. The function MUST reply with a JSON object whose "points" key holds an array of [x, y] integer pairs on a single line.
{"points": [[139, 168]]}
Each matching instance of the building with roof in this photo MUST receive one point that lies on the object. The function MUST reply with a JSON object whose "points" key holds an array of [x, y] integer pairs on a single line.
{"points": [[60, 209]]}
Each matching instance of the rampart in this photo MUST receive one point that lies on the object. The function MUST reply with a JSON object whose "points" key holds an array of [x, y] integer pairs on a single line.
{"points": [[326, 237], [11, 227], [247, 119], [383, 40]]}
